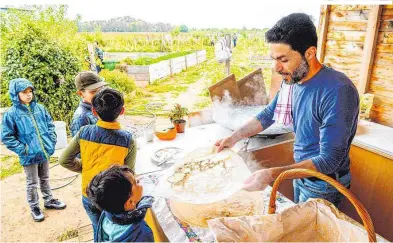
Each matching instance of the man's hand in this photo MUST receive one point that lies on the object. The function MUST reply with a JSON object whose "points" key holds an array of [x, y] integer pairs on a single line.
{"points": [[258, 181], [228, 142], [252, 127]]}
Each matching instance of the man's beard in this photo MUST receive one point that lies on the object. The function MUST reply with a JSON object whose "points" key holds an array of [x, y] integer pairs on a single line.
{"points": [[300, 72]]}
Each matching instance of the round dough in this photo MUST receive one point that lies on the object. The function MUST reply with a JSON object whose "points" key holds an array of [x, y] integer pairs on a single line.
{"points": [[204, 176], [241, 203]]}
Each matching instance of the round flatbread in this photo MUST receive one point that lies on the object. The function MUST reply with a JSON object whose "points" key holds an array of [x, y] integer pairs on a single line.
{"points": [[242, 203], [204, 176]]}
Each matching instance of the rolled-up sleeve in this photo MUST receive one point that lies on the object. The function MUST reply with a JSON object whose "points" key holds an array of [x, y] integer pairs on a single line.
{"points": [[265, 117], [69, 158], [339, 122]]}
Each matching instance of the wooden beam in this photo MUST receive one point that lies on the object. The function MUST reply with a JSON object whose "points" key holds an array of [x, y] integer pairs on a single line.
{"points": [[92, 59], [369, 48], [228, 39], [323, 29]]}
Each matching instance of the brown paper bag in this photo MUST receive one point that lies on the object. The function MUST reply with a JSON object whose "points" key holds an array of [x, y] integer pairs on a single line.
{"points": [[312, 221]]}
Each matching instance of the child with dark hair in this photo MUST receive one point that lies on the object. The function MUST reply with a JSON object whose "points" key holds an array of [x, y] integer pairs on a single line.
{"points": [[100, 146], [27, 129], [87, 84], [118, 194]]}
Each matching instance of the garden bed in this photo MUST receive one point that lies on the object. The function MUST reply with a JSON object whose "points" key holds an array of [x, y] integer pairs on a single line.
{"points": [[147, 74], [118, 56]]}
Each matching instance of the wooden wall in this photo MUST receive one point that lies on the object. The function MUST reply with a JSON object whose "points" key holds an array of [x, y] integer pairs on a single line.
{"points": [[358, 40], [381, 80]]}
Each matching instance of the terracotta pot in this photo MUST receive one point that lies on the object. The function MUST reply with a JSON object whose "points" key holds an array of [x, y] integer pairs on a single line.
{"points": [[180, 125]]}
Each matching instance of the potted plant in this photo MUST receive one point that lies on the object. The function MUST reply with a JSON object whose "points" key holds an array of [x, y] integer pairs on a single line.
{"points": [[176, 115]]}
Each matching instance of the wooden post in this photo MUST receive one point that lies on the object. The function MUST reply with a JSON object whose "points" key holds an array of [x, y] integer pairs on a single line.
{"points": [[374, 17], [228, 62], [323, 28], [92, 58]]}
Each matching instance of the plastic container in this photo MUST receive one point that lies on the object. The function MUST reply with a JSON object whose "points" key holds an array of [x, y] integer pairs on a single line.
{"points": [[110, 65], [61, 132]]}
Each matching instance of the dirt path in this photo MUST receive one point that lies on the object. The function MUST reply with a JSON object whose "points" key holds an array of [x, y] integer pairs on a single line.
{"points": [[188, 98], [17, 224]]}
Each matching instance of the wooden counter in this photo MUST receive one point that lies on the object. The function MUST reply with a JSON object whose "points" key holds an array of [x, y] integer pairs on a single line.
{"points": [[371, 157], [372, 175], [371, 164]]}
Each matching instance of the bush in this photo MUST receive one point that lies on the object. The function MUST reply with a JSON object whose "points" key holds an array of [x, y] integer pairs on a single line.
{"points": [[127, 61], [118, 80], [50, 68], [121, 68], [44, 47], [144, 61]]}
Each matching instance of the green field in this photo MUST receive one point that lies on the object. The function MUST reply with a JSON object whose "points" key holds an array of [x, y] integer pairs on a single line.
{"points": [[167, 91]]}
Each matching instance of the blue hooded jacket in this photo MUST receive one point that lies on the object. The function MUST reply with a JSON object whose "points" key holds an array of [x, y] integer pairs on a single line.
{"points": [[28, 130], [126, 226]]}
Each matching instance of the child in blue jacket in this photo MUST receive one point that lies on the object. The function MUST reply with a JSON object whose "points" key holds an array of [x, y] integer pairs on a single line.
{"points": [[119, 195], [28, 130]]}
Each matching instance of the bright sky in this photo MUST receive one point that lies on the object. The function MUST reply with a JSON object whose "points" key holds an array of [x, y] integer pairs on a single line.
{"points": [[193, 13]]}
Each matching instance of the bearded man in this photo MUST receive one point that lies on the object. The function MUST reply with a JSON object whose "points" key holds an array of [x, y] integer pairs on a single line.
{"points": [[324, 108]]}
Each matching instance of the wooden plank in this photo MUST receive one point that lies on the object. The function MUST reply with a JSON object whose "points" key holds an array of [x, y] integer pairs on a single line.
{"points": [[349, 60], [387, 12], [350, 7], [228, 38], [385, 48], [344, 53], [346, 45], [382, 110], [353, 75], [252, 89], [385, 38], [92, 59], [386, 25], [323, 28], [387, 17], [344, 67], [383, 58], [353, 52], [382, 71], [381, 118], [358, 15], [347, 25], [225, 86], [353, 36], [383, 104], [369, 48], [381, 85]]}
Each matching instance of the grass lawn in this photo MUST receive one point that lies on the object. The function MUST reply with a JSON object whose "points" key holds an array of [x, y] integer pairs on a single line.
{"points": [[208, 72], [9, 165]]}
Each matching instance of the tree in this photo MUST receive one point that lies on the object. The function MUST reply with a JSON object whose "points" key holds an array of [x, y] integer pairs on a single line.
{"points": [[175, 31], [43, 47], [183, 28], [124, 24]]}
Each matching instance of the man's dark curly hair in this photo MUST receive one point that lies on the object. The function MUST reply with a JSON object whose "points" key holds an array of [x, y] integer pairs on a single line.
{"points": [[296, 30], [108, 104]]}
